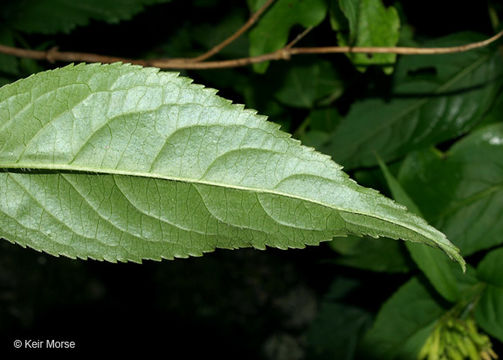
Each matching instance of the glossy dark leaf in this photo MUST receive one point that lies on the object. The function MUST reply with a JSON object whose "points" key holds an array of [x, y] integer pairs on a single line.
{"points": [[489, 311], [435, 98], [370, 24], [461, 191]]}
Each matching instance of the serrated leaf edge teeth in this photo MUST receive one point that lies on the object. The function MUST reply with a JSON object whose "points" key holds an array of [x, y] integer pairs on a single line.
{"points": [[272, 127]]}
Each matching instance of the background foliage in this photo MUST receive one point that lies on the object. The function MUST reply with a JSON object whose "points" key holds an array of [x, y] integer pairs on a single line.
{"points": [[435, 121]]}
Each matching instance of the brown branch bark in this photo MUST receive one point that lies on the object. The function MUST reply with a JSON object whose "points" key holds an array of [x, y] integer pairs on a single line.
{"points": [[283, 54], [251, 21]]}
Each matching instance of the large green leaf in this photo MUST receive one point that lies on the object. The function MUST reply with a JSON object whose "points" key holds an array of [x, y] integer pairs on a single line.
{"points": [[370, 24], [127, 163], [461, 192], [424, 109], [53, 16], [489, 310], [271, 33], [402, 324]]}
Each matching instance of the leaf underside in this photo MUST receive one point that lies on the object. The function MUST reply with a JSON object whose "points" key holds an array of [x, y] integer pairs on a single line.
{"points": [[119, 162]]}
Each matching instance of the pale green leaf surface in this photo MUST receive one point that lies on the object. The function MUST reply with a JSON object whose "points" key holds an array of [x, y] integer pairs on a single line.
{"points": [[271, 32], [129, 163], [370, 24], [53, 16], [461, 192], [424, 110]]}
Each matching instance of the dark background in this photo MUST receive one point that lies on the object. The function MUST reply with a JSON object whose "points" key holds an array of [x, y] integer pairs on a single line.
{"points": [[227, 304]]}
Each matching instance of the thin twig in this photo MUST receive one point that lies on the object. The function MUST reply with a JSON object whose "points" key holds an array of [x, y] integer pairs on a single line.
{"points": [[252, 20], [282, 54], [299, 37]]}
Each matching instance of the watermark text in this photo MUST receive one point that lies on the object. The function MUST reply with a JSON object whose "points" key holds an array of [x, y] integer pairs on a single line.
{"points": [[29, 344]]}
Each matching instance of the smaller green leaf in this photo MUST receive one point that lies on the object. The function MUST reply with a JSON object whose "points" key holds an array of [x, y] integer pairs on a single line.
{"points": [[431, 262], [370, 24], [405, 314], [489, 310], [304, 84], [338, 21], [271, 32], [461, 192]]}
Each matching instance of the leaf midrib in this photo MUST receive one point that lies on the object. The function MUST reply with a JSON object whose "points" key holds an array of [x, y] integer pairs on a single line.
{"points": [[63, 167]]}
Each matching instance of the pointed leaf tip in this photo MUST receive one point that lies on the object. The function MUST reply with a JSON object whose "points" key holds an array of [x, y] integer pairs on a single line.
{"points": [[140, 164]]}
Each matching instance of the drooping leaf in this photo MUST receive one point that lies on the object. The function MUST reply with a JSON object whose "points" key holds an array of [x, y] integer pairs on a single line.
{"points": [[431, 262], [304, 84], [489, 310], [370, 24], [461, 192], [54, 16], [271, 32], [435, 98], [126, 163], [406, 314]]}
